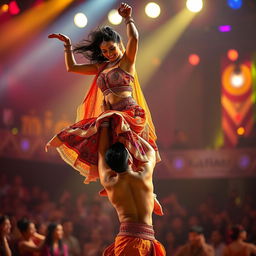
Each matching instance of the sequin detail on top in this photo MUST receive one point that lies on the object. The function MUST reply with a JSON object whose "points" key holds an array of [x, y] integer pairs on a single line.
{"points": [[115, 81]]}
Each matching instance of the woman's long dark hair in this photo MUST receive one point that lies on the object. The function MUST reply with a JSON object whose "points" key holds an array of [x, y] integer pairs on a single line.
{"points": [[49, 239], [90, 47]]}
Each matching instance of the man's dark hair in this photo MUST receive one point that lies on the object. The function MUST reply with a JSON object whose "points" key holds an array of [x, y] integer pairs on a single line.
{"points": [[117, 157], [235, 232], [23, 224], [197, 229]]}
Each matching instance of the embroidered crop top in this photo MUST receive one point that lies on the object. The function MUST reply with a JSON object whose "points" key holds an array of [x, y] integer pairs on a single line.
{"points": [[114, 81]]}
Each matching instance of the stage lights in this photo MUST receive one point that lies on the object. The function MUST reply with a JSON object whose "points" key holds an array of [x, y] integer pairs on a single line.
{"points": [[14, 8], [237, 78], [240, 131], [194, 5], [232, 54], [114, 17], [194, 59], [225, 28], [235, 4], [152, 10], [80, 20], [5, 8]]}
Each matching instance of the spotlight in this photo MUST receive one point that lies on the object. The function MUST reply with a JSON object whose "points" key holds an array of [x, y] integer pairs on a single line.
{"points": [[80, 20], [152, 10], [237, 78], [114, 17], [194, 5], [194, 59], [232, 54], [235, 4]]}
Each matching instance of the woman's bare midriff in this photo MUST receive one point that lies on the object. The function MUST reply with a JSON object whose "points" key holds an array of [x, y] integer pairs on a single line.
{"points": [[113, 99]]}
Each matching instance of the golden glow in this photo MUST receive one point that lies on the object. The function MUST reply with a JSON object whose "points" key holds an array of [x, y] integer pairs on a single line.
{"points": [[114, 17], [5, 8], [194, 5], [237, 90], [159, 44], [21, 28], [152, 10], [241, 131], [80, 20]]}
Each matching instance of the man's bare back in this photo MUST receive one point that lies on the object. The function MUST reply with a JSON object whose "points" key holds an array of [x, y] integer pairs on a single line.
{"points": [[131, 194]]}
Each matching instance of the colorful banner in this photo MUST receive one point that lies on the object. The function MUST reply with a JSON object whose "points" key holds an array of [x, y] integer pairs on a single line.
{"points": [[237, 103]]}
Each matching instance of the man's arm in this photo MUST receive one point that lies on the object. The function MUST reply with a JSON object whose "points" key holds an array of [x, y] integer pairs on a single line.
{"points": [[104, 144]]}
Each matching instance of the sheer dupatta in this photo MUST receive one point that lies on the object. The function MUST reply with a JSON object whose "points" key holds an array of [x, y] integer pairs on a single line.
{"points": [[91, 106]]}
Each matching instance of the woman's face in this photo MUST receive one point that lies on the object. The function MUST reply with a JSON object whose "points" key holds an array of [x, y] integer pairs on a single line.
{"points": [[31, 229], [111, 50], [5, 228], [58, 233]]}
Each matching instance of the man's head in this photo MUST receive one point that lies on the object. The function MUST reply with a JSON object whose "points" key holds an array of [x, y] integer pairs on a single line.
{"points": [[195, 234], [238, 232], [117, 157]]}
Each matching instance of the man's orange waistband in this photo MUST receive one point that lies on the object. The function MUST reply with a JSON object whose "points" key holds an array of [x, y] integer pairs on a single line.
{"points": [[139, 230]]}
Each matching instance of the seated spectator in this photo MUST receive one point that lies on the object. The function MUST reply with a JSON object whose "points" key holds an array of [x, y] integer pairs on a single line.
{"points": [[216, 240], [196, 244], [30, 242], [5, 229], [54, 245], [238, 246], [70, 240]]}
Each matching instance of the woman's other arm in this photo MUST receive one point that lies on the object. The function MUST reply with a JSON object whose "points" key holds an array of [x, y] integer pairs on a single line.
{"points": [[71, 65]]}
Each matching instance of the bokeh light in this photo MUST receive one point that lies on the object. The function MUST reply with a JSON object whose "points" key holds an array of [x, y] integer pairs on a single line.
{"points": [[80, 20], [225, 28], [235, 4], [14, 8], [241, 131], [194, 59], [5, 8], [244, 161], [237, 79], [114, 17], [178, 163], [15, 131], [194, 5], [152, 10], [25, 145], [232, 54]]}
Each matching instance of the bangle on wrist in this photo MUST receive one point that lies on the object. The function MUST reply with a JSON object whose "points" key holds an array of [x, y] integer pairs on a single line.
{"points": [[129, 20]]}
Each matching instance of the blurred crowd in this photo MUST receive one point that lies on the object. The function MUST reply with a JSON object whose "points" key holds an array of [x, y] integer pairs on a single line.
{"points": [[34, 223]]}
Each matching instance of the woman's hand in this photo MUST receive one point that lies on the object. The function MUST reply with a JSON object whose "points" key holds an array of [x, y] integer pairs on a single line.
{"points": [[61, 37], [125, 10]]}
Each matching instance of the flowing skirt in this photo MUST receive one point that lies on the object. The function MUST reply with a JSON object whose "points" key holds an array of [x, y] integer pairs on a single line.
{"points": [[78, 143]]}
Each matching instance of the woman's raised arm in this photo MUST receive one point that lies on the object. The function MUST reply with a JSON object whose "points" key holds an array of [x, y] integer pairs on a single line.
{"points": [[132, 33], [71, 65]]}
